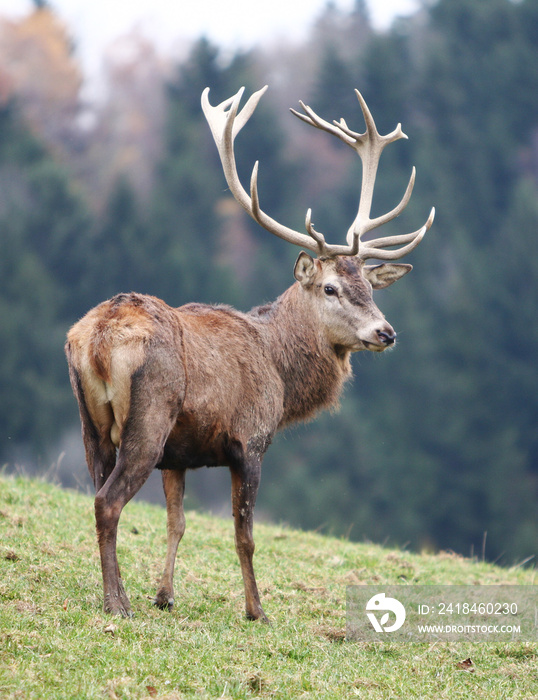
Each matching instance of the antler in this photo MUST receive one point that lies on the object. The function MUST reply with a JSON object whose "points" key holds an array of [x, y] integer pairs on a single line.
{"points": [[226, 122], [369, 147]]}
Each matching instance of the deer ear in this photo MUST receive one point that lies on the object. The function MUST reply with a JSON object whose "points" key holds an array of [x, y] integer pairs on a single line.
{"points": [[381, 276], [305, 269]]}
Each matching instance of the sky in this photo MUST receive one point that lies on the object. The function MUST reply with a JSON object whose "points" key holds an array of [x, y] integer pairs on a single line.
{"points": [[229, 23], [173, 24]]}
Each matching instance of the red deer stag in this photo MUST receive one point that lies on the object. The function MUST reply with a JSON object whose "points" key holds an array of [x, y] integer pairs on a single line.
{"points": [[204, 385]]}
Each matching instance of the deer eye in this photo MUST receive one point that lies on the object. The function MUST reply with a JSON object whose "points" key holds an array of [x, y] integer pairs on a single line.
{"points": [[329, 290]]}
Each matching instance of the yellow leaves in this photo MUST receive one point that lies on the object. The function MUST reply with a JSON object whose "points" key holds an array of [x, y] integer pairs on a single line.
{"points": [[36, 56], [37, 53]]}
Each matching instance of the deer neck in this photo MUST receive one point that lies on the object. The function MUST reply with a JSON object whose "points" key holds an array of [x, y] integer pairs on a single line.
{"points": [[312, 370]]}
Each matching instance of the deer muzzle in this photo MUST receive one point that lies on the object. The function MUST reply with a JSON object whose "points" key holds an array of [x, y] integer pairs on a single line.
{"points": [[379, 338]]}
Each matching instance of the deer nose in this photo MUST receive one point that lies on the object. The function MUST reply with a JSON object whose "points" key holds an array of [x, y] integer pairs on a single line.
{"points": [[386, 337]]}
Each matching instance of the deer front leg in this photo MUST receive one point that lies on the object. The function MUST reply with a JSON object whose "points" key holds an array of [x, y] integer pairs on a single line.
{"points": [[174, 489], [245, 482]]}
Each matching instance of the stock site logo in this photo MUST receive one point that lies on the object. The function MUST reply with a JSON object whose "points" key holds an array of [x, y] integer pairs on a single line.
{"points": [[381, 603]]}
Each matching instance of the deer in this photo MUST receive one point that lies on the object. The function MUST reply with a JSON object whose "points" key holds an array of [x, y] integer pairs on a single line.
{"points": [[207, 385]]}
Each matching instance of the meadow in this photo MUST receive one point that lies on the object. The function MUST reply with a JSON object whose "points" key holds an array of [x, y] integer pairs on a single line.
{"points": [[56, 642]]}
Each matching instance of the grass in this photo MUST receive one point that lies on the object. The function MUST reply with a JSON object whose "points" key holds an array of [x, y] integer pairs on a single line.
{"points": [[55, 641]]}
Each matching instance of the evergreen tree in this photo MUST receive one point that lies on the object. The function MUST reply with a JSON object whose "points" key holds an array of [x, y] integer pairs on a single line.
{"points": [[42, 226], [186, 221], [121, 257], [183, 220], [333, 94], [435, 442]]}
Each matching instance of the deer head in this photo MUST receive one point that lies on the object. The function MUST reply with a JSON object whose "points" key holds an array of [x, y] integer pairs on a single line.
{"points": [[339, 274]]}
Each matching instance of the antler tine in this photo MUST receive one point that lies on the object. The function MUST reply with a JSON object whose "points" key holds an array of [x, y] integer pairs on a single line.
{"points": [[318, 237], [372, 248], [310, 117]]}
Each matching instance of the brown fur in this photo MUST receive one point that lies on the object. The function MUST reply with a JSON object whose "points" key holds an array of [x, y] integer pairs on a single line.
{"points": [[208, 385]]}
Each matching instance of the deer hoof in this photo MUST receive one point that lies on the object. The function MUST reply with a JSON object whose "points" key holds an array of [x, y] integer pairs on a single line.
{"points": [[260, 617], [163, 600], [122, 608]]}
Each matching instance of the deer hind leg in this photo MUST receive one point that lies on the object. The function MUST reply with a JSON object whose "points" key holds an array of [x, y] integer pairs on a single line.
{"points": [[141, 448], [136, 460], [174, 489], [245, 482]]}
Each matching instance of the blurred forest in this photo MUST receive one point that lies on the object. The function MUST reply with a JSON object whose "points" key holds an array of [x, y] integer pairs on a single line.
{"points": [[436, 443]]}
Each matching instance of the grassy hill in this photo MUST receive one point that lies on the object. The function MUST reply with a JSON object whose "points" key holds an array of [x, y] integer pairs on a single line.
{"points": [[55, 641]]}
